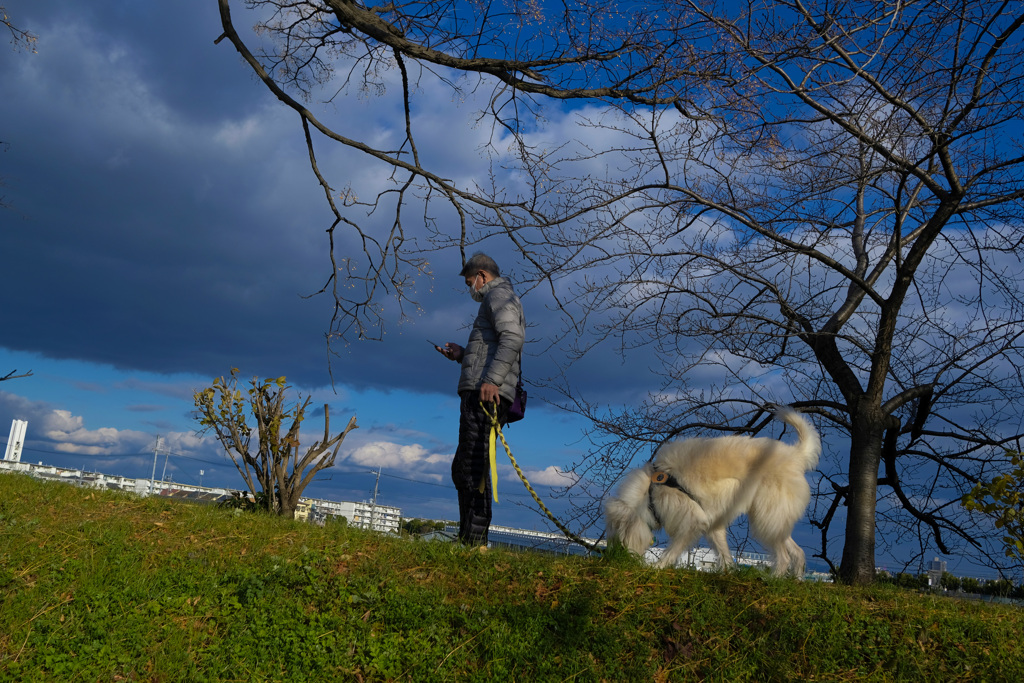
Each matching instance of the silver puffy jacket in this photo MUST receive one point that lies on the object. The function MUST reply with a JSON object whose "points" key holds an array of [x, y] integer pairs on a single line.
{"points": [[493, 351]]}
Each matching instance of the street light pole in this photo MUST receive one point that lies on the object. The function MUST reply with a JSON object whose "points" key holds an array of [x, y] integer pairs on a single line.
{"points": [[152, 476], [163, 475], [373, 509]]}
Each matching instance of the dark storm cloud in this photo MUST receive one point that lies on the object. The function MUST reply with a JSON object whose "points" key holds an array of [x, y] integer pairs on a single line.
{"points": [[164, 217]]}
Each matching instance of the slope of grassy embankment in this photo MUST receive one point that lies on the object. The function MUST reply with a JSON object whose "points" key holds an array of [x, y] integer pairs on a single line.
{"points": [[105, 586]]}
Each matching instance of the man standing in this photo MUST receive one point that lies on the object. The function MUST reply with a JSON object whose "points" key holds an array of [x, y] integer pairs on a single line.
{"points": [[490, 371]]}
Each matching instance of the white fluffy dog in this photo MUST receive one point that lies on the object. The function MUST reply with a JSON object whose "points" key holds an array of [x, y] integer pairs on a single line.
{"points": [[698, 487]]}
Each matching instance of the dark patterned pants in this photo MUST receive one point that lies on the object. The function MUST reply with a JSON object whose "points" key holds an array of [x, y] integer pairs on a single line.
{"points": [[471, 468]]}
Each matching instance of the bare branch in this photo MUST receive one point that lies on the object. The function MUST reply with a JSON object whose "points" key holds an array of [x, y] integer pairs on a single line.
{"points": [[11, 375]]}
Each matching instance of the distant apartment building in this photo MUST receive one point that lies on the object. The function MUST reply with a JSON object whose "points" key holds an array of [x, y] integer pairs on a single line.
{"points": [[936, 568], [362, 515]]}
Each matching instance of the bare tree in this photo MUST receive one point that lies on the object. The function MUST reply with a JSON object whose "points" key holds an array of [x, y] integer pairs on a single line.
{"points": [[810, 202], [319, 46], [272, 467]]}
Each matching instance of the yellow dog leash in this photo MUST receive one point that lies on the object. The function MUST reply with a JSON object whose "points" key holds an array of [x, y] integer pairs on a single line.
{"points": [[492, 412], [492, 451]]}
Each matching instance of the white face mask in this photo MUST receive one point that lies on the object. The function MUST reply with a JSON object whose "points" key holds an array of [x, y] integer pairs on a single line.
{"points": [[474, 292]]}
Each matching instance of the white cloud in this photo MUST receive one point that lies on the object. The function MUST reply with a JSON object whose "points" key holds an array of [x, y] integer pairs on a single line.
{"points": [[68, 433], [235, 134], [393, 455], [552, 475]]}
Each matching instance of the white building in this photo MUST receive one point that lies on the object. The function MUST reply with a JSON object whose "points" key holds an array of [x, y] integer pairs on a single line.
{"points": [[936, 569], [362, 515], [15, 441]]}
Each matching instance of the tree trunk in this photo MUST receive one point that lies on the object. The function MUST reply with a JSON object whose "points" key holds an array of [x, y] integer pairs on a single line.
{"points": [[858, 564], [287, 497]]}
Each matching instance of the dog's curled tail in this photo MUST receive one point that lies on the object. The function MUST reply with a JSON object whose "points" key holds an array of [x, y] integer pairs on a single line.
{"points": [[629, 517], [808, 442]]}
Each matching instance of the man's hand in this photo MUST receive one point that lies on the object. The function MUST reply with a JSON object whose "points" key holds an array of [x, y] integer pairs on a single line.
{"points": [[451, 351], [489, 393]]}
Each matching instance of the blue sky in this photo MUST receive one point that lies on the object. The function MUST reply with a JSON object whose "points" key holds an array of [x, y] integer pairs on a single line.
{"points": [[102, 418]]}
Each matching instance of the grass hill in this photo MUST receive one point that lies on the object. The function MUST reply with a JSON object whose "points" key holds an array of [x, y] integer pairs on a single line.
{"points": [[106, 586]]}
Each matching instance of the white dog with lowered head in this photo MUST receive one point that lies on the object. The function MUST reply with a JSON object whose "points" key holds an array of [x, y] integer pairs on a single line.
{"points": [[698, 487]]}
